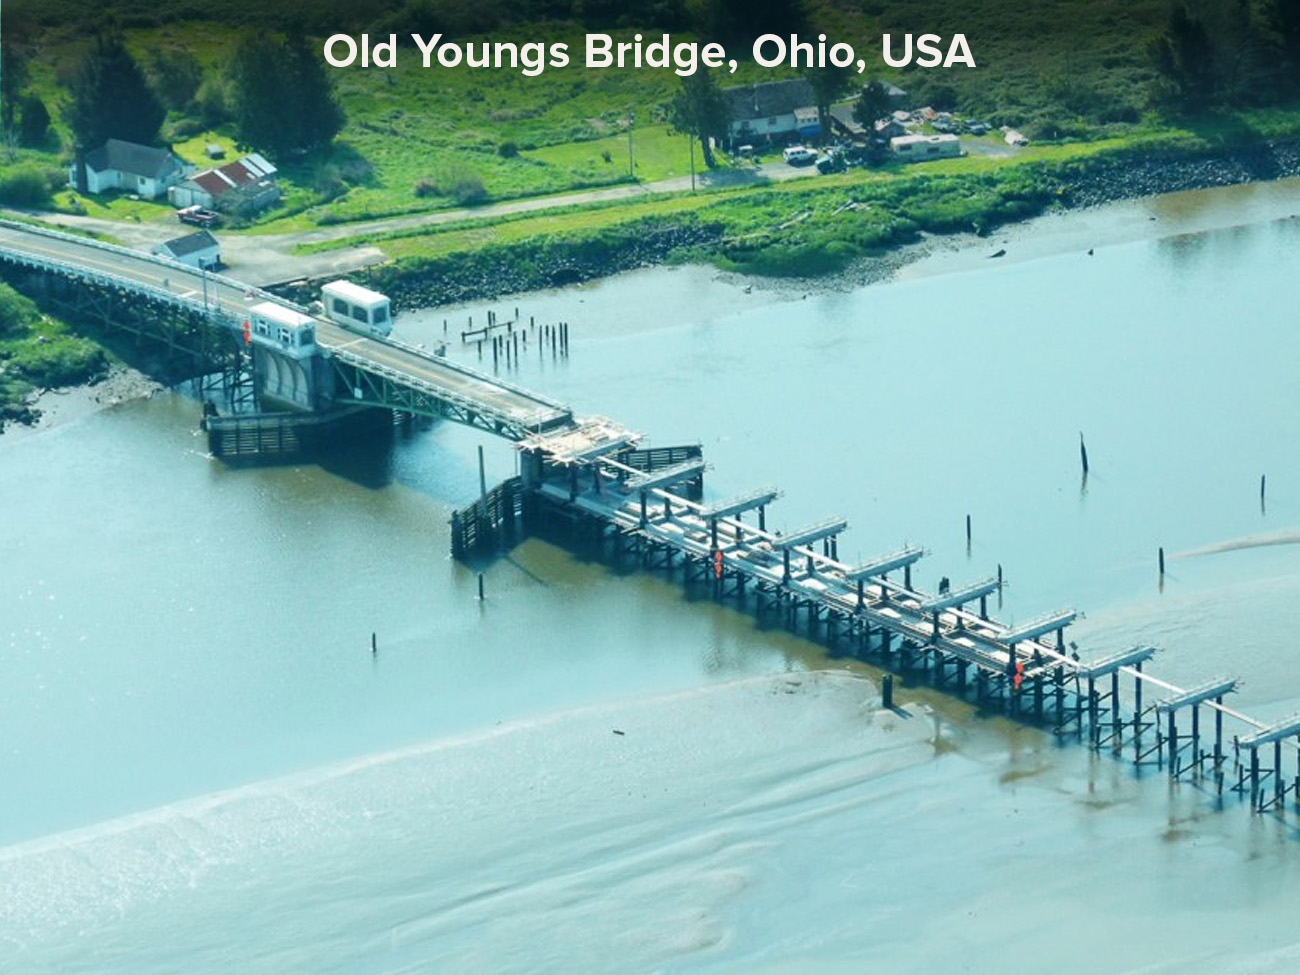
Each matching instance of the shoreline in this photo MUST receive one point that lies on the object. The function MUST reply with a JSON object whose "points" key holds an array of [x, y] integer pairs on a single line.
{"points": [[1107, 222], [57, 407], [1061, 188]]}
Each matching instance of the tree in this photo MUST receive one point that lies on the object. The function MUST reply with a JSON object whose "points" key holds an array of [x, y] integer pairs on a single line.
{"points": [[34, 129], [1283, 19], [744, 20], [1184, 59], [700, 108], [872, 105], [281, 97], [110, 97], [13, 79], [320, 117], [259, 106], [175, 77], [828, 83], [17, 311]]}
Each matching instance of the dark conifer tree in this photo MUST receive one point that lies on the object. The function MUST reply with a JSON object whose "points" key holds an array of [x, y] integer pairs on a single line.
{"points": [[110, 97]]}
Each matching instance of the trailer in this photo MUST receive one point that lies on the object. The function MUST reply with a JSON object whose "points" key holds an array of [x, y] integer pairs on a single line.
{"points": [[357, 308]]}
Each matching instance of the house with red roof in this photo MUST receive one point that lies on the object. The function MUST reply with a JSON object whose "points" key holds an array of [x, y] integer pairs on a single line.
{"points": [[244, 186]]}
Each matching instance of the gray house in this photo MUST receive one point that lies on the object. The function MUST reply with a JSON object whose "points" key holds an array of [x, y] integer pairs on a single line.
{"points": [[127, 166], [199, 249]]}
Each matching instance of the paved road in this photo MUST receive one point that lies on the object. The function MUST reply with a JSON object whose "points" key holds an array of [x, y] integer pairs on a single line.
{"points": [[263, 259], [232, 298]]}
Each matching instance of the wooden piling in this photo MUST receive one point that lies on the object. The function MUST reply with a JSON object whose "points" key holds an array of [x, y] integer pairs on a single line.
{"points": [[480, 586], [1083, 453], [1161, 556]]}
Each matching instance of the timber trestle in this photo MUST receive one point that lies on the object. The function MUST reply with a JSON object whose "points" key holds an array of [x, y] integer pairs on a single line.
{"points": [[589, 481], [641, 510]]}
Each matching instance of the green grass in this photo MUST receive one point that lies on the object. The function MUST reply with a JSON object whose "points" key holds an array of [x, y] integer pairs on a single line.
{"points": [[442, 130], [438, 128], [38, 352]]}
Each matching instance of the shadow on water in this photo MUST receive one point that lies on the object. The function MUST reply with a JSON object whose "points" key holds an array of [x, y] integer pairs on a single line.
{"points": [[365, 460]]}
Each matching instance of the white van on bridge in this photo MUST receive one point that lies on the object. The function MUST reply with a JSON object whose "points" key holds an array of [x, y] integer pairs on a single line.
{"points": [[357, 308]]}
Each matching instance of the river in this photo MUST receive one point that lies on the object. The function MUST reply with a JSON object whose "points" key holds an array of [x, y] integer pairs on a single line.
{"points": [[205, 769]]}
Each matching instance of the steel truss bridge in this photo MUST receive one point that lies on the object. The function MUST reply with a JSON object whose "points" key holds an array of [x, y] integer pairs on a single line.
{"points": [[368, 370], [570, 464]]}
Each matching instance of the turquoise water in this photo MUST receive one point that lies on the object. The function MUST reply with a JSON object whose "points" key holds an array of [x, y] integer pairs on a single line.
{"points": [[172, 629]]}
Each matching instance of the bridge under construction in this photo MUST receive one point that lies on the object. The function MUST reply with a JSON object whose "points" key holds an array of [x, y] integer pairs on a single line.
{"points": [[593, 483]]}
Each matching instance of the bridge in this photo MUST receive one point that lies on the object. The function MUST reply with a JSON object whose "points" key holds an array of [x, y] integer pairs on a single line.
{"points": [[363, 370], [588, 478]]}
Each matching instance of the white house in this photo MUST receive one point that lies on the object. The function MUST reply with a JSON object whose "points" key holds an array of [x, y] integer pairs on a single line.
{"points": [[915, 148], [128, 166], [776, 110], [247, 184], [199, 249]]}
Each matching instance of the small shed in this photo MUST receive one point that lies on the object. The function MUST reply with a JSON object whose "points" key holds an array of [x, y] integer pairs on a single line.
{"points": [[886, 129], [199, 249]]}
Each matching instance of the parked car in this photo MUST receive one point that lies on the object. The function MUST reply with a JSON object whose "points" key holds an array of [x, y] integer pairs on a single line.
{"points": [[799, 155], [976, 128], [831, 162], [943, 125], [198, 216]]}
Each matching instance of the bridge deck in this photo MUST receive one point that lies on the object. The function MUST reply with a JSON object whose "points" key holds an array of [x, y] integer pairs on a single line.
{"points": [[228, 300], [887, 604]]}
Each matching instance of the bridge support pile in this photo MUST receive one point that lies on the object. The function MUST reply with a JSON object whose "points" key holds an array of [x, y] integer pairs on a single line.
{"points": [[494, 522], [594, 490], [288, 435]]}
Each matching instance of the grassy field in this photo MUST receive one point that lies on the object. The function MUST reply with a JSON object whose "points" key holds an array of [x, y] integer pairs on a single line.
{"points": [[38, 352], [421, 140]]}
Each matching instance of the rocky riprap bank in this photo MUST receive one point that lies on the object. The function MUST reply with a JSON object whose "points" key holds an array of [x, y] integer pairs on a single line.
{"points": [[551, 263], [1126, 178], [528, 266]]}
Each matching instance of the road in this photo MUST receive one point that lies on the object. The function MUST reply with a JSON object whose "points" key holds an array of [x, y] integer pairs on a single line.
{"points": [[233, 299], [264, 259]]}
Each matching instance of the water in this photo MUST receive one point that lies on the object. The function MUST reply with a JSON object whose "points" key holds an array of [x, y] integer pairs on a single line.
{"points": [[188, 647]]}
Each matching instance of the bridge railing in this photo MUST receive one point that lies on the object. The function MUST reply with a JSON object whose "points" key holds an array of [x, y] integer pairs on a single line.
{"points": [[525, 423], [474, 373], [116, 250]]}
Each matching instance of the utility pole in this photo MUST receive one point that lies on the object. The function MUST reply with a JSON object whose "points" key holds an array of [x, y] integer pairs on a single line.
{"points": [[692, 151]]}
